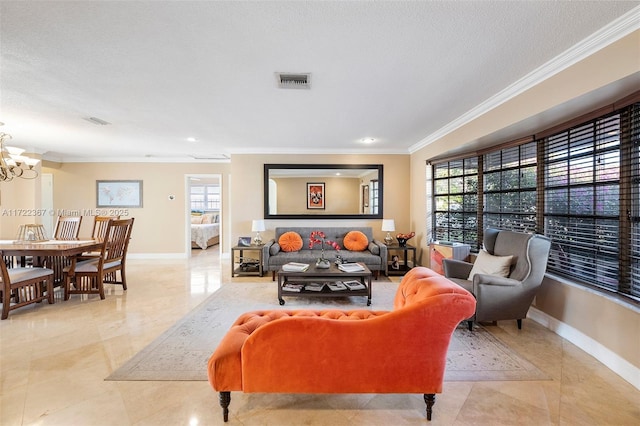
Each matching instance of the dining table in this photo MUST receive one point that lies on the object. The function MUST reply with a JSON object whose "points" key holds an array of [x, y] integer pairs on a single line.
{"points": [[66, 250]]}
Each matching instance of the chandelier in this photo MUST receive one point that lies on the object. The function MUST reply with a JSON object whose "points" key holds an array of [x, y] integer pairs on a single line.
{"points": [[13, 164]]}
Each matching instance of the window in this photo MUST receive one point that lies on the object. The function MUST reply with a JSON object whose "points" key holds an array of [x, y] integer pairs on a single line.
{"points": [[456, 201], [580, 186], [375, 200], [205, 197], [509, 182], [630, 200], [582, 201]]}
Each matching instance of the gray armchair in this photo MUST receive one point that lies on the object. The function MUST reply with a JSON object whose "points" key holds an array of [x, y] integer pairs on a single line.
{"points": [[502, 298]]}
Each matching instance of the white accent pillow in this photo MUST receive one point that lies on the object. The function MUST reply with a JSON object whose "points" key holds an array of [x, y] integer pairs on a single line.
{"points": [[492, 265]]}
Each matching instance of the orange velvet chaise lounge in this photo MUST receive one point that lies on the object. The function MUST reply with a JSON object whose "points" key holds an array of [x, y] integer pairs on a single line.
{"points": [[335, 351]]}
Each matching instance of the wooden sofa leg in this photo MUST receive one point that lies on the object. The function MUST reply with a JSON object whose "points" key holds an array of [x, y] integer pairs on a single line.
{"points": [[470, 324], [225, 400], [273, 275], [430, 399], [519, 324]]}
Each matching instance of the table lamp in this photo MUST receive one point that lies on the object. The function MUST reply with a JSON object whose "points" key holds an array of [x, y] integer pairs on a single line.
{"points": [[257, 226], [389, 226]]}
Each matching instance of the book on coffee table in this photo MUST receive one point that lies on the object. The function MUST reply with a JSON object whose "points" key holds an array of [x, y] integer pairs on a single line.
{"points": [[314, 286], [351, 267], [296, 288], [354, 285], [295, 267], [336, 286]]}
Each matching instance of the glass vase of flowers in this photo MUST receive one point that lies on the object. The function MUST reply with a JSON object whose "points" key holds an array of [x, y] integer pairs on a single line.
{"points": [[318, 237]]}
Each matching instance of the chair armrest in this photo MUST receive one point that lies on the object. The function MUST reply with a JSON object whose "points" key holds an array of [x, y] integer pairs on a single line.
{"points": [[486, 279], [454, 268]]}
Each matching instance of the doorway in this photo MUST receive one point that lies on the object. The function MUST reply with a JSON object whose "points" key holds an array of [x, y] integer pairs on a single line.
{"points": [[203, 212]]}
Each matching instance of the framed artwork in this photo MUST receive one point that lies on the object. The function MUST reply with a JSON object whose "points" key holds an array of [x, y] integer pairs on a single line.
{"points": [[119, 193], [315, 195], [244, 242]]}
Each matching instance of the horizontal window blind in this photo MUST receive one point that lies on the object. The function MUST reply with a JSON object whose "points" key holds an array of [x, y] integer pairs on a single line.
{"points": [[582, 201], [632, 124]]}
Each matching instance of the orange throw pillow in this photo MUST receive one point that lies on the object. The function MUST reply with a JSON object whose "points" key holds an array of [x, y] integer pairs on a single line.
{"points": [[290, 241], [356, 241]]}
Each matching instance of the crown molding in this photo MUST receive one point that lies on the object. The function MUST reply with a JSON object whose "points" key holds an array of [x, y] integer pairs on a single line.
{"points": [[602, 38]]}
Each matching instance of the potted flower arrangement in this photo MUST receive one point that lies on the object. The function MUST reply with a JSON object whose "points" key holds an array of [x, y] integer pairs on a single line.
{"points": [[318, 237], [403, 238]]}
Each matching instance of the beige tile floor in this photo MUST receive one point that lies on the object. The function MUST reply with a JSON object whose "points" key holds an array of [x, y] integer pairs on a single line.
{"points": [[54, 359]]}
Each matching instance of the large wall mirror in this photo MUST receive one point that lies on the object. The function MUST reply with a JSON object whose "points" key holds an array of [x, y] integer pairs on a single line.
{"points": [[327, 191]]}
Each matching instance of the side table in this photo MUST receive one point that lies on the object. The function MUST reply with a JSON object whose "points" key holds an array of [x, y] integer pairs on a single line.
{"points": [[244, 264], [400, 266], [441, 251]]}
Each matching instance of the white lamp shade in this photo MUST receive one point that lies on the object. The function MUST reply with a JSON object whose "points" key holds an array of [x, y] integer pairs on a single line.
{"points": [[388, 225], [257, 225]]}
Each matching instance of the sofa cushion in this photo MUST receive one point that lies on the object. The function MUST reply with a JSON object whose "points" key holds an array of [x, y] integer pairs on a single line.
{"points": [[374, 248], [290, 241], [491, 265], [356, 241], [274, 249]]}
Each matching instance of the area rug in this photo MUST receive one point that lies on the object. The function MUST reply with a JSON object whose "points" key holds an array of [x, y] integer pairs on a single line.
{"points": [[182, 352]]}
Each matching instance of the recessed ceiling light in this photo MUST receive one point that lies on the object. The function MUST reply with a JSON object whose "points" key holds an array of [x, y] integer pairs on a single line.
{"points": [[192, 139], [367, 140]]}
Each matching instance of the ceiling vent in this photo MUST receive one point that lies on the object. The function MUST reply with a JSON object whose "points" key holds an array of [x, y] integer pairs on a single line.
{"points": [[210, 157], [288, 80]]}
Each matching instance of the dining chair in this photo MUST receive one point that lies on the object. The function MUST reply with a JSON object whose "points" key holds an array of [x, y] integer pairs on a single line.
{"points": [[67, 228], [98, 233], [24, 286], [89, 276], [100, 226]]}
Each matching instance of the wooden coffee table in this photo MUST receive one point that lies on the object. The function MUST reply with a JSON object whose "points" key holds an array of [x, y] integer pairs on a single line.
{"points": [[324, 276]]}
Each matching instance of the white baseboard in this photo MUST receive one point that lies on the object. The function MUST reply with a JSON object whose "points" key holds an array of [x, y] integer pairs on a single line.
{"points": [[613, 361], [156, 255], [166, 256]]}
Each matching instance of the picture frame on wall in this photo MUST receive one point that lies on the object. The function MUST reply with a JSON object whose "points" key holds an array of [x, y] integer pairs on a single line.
{"points": [[315, 195], [119, 193]]}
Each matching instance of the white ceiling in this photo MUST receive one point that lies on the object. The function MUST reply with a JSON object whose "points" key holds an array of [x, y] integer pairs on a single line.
{"points": [[163, 71]]}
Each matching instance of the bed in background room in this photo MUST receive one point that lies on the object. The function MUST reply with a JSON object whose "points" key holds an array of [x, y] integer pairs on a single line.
{"points": [[205, 230]]}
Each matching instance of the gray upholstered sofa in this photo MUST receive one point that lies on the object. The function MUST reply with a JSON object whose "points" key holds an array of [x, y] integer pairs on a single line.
{"points": [[375, 257]]}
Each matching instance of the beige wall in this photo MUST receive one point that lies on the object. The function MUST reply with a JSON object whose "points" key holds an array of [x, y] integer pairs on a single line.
{"points": [[247, 195], [160, 225], [597, 317]]}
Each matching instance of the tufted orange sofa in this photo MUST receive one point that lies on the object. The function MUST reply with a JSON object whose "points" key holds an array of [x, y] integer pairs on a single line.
{"points": [[335, 351]]}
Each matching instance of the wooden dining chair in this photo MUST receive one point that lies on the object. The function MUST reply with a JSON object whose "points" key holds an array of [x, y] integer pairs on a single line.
{"points": [[100, 226], [89, 276], [98, 233], [67, 228], [24, 286]]}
